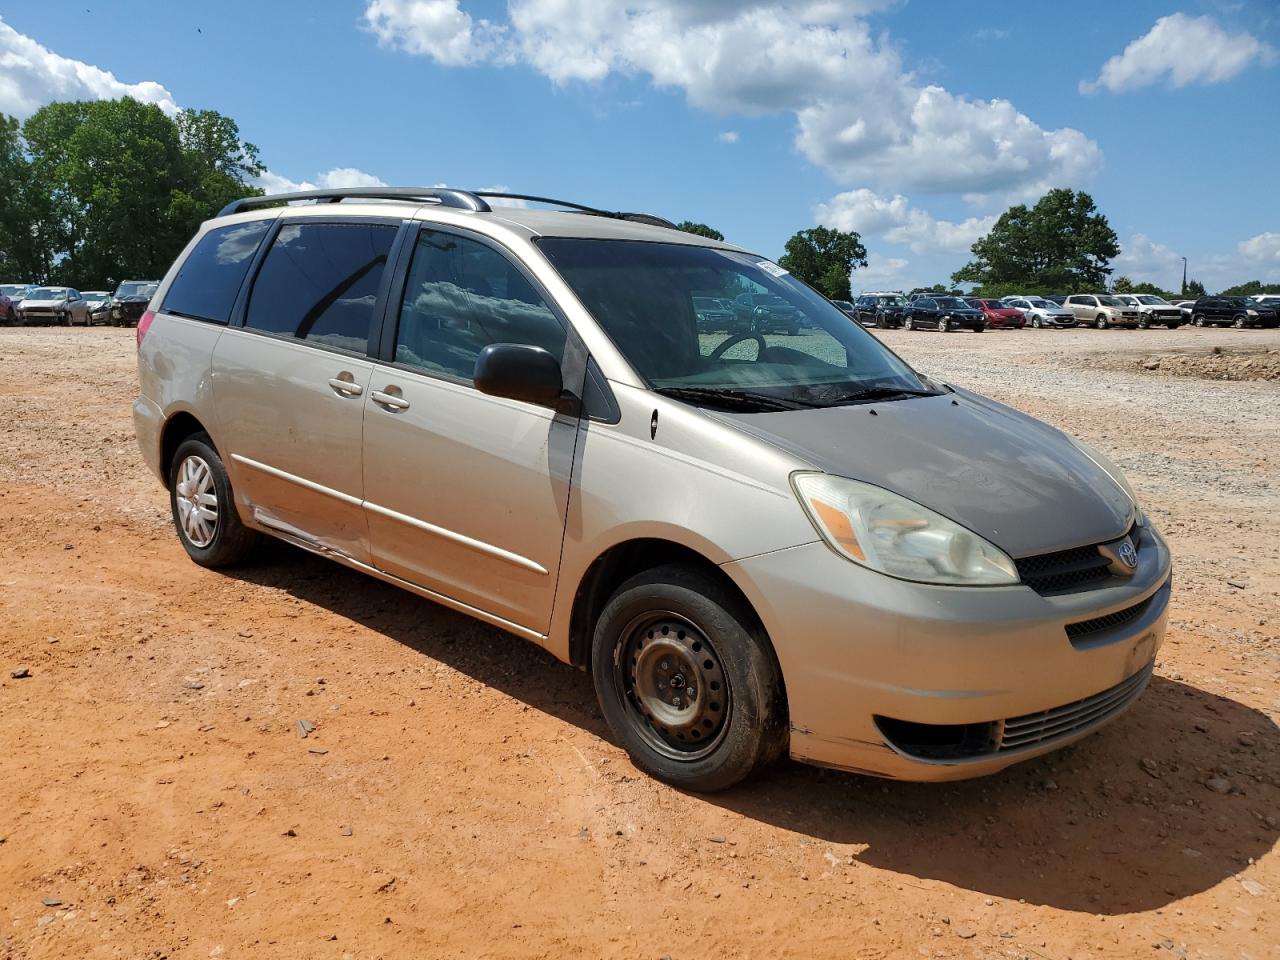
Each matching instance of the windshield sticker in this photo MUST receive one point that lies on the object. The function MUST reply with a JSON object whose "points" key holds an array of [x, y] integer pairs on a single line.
{"points": [[771, 268]]}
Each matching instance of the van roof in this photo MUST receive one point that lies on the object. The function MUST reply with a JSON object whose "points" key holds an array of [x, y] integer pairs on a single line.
{"points": [[573, 220]]}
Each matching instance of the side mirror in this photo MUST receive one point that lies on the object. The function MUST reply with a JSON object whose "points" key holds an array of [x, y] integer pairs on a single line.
{"points": [[519, 372]]}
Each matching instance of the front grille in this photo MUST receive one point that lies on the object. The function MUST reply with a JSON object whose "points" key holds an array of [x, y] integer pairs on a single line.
{"points": [[1047, 725], [1066, 570], [1086, 628]]}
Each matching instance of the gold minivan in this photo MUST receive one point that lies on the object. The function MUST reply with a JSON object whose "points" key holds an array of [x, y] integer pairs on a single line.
{"points": [[765, 539]]}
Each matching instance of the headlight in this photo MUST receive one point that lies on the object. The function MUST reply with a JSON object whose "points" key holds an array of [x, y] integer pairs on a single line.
{"points": [[1253, 313], [899, 537], [1107, 465]]}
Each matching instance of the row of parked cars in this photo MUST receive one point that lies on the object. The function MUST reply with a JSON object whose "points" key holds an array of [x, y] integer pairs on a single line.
{"points": [[32, 304], [940, 311]]}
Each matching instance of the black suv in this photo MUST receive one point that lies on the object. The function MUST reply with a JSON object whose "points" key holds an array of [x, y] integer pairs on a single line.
{"points": [[766, 313], [1238, 312], [942, 313], [882, 310]]}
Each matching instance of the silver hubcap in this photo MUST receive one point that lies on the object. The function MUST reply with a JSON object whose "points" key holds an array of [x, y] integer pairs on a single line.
{"points": [[197, 502]]}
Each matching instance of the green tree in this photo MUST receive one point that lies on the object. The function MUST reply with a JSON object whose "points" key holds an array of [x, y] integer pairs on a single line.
{"points": [[21, 251], [119, 187], [701, 229], [1251, 289], [824, 258], [1122, 284], [1062, 244], [1195, 289]]}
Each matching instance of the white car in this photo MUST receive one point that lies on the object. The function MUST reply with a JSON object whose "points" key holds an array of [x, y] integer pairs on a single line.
{"points": [[1153, 310], [1040, 313], [1186, 308]]}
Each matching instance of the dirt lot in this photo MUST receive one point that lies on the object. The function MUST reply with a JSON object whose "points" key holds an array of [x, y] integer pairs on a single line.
{"points": [[460, 796]]}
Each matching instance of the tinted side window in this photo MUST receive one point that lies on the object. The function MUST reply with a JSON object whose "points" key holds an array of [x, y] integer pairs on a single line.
{"points": [[461, 296], [319, 282], [208, 280]]}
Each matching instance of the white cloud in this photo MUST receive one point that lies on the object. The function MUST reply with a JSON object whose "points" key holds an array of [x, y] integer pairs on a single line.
{"points": [[894, 219], [729, 136], [272, 182], [435, 28], [860, 114], [31, 75], [1143, 259], [880, 273], [1264, 248], [1181, 50]]}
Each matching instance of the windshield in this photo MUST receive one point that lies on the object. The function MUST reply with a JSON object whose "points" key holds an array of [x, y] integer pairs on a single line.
{"points": [[642, 295], [135, 288], [952, 303], [47, 293], [1153, 301], [892, 301], [706, 303], [95, 296], [1113, 302], [1043, 304], [13, 291]]}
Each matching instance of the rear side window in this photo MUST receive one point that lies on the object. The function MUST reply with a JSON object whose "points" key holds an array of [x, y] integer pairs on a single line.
{"points": [[463, 295], [319, 282], [209, 280]]}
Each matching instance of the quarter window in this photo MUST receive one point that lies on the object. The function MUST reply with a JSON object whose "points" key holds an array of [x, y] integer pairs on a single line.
{"points": [[209, 279], [461, 296], [319, 282]]}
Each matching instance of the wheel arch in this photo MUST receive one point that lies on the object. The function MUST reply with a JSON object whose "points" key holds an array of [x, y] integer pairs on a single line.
{"points": [[177, 428]]}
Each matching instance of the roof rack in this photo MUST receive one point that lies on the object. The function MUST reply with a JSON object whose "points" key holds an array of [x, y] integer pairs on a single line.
{"points": [[472, 200], [460, 199], [649, 218]]}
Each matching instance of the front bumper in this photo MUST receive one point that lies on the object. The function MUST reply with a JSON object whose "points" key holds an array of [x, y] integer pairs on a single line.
{"points": [[857, 648]]}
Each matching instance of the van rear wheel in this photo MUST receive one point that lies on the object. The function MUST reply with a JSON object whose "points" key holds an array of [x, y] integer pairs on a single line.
{"points": [[203, 506], [686, 680]]}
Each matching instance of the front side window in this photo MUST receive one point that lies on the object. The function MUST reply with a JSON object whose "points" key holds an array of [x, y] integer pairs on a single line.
{"points": [[1112, 302], [319, 282], [209, 279], [463, 295], [789, 346]]}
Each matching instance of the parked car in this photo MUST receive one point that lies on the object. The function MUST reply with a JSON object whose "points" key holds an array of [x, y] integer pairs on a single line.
{"points": [[45, 305], [1237, 312], [766, 313], [1185, 307], [99, 303], [883, 310], [847, 308], [714, 315], [998, 314], [1152, 309], [1040, 313], [126, 310], [1268, 299], [1058, 298], [943, 314], [1102, 310], [125, 290], [745, 560], [11, 295]]}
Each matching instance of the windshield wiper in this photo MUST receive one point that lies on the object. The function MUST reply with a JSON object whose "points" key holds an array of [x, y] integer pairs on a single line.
{"points": [[878, 391], [732, 399]]}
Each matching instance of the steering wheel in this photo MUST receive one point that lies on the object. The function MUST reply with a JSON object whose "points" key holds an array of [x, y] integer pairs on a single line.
{"points": [[736, 339]]}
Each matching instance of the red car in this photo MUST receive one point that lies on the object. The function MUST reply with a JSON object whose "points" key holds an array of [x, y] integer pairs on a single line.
{"points": [[999, 316]]}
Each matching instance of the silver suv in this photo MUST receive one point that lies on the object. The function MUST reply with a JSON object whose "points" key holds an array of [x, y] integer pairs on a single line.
{"points": [[1102, 310], [758, 542]]}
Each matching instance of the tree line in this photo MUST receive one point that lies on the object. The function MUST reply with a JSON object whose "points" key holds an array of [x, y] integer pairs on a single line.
{"points": [[94, 192]]}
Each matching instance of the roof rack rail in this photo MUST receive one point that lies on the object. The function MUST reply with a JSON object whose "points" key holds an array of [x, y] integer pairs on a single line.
{"points": [[649, 218], [460, 199]]}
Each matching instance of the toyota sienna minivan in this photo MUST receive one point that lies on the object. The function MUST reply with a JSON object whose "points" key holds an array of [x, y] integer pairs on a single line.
{"points": [[757, 542]]}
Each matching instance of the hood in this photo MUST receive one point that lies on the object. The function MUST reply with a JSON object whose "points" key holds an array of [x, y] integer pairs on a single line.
{"points": [[1005, 311], [1006, 476], [28, 302]]}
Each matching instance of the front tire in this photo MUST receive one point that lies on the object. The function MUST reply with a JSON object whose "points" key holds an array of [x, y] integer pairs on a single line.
{"points": [[1101, 322], [909, 323], [1238, 323], [944, 325], [687, 681], [203, 506]]}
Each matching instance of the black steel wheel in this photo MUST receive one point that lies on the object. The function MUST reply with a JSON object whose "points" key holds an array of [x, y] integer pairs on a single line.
{"points": [[687, 681]]}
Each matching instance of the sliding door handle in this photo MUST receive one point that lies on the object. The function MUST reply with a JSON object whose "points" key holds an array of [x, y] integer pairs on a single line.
{"points": [[389, 400]]}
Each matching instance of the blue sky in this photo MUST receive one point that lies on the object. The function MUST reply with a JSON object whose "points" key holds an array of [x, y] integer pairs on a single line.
{"points": [[913, 122]]}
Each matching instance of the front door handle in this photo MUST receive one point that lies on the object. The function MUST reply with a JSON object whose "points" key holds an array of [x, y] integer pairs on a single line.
{"points": [[345, 385], [389, 400]]}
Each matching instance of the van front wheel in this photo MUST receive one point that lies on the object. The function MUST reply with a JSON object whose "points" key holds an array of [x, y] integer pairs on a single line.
{"points": [[686, 680]]}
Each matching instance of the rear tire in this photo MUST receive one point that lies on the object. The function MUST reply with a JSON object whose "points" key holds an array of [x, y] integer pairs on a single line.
{"points": [[909, 323], [204, 508], [675, 629]]}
